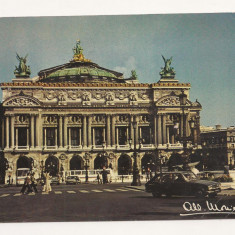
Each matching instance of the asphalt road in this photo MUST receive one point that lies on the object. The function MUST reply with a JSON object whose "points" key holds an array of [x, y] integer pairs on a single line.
{"points": [[111, 202]]}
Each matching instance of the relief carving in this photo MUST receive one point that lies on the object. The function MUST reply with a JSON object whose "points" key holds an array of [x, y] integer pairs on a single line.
{"points": [[22, 101]]}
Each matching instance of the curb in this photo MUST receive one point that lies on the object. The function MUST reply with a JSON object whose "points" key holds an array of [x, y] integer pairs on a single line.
{"points": [[133, 187]]}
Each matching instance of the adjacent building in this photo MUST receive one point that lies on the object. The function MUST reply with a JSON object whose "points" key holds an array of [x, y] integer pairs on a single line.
{"points": [[218, 147], [80, 114]]}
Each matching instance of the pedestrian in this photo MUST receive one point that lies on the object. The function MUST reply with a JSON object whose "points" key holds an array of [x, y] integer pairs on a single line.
{"points": [[104, 176], [26, 184], [98, 177], [33, 183], [47, 185]]}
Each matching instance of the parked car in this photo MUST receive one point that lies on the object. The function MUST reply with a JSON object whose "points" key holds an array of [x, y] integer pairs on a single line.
{"points": [[181, 183], [55, 180], [73, 180]]}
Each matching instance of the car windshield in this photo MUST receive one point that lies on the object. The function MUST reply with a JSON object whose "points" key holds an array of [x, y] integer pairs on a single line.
{"points": [[189, 176]]}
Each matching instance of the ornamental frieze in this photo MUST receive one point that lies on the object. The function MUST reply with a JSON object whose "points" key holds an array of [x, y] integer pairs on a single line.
{"points": [[123, 118], [98, 119], [50, 119], [74, 119], [21, 101], [170, 101], [21, 119]]}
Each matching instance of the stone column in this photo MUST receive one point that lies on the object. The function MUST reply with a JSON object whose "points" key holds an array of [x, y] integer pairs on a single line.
{"points": [[113, 130], [12, 131], [137, 130], [66, 132], [27, 138], [17, 137], [39, 134], [80, 136], [159, 129], [69, 137], [56, 137], [7, 132], [117, 136], [60, 131], [45, 138], [31, 130], [3, 136], [164, 128], [187, 125], [181, 124], [89, 131], [155, 130], [84, 132], [168, 134], [108, 131]]}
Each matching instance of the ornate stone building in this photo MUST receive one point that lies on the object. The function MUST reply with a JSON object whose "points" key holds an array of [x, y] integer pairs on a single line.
{"points": [[79, 112]]}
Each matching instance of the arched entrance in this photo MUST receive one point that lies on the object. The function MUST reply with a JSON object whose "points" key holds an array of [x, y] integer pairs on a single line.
{"points": [[3, 167], [76, 163], [147, 162], [100, 161], [124, 165], [52, 165], [24, 162]]}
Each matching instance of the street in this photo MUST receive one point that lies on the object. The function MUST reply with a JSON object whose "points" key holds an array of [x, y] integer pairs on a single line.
{"points": [[110, 202]]}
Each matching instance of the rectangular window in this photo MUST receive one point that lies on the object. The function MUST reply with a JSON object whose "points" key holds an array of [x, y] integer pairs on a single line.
{"points": [[50, 136], [122, 135], [99, 138], [22, 136], [75, 136], [145, 135]]}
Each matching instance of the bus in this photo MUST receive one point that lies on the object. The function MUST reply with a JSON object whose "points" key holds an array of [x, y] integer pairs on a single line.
{"points": [[21, 174], [92, 174]]}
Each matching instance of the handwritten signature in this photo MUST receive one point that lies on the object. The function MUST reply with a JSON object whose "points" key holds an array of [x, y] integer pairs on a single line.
{"points": [[193, 208]]}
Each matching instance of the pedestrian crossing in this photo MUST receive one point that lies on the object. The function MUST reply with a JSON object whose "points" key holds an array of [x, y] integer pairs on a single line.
{"points": [[74, 192]]}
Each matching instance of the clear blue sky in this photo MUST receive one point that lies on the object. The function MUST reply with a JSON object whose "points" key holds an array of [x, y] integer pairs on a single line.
{"points": [[202, 46]]}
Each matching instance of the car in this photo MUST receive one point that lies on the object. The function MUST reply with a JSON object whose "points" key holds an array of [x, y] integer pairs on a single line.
{"points": [[55, 180], [181, 183], [73, 180]]}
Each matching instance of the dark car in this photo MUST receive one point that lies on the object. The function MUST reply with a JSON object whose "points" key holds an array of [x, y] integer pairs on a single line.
{"points": [[73, 180], [55, 180], [181, 183]]}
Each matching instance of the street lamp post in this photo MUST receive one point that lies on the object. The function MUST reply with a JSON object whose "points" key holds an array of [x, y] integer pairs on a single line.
{"points": [[86, 168], [183, 98], [136, 176]]}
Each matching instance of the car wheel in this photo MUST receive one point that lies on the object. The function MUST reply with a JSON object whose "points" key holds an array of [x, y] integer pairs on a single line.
{"points": [[156, 194], [212, 195], [200, 193]]}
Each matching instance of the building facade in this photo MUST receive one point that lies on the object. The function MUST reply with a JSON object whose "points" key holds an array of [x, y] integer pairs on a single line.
{"points": [[218, 147], [79, 113]]}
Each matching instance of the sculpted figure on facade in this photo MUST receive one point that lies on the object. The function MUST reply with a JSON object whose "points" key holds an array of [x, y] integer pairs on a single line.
{"points": [[61, 99], [86, 98], [22, 70], [21, 101], [109, 98], [133, 98], [167, 71]]}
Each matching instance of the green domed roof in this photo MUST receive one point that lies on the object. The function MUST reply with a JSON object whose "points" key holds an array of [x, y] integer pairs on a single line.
{"points": [[80, 70]]}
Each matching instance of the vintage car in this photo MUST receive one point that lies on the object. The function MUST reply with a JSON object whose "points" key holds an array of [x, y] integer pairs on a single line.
{"points": [[181, 183], [55, 180], [73, 180]]}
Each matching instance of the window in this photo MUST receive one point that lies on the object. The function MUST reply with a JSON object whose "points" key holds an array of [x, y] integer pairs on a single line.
{"points": [[22, 136], [145, 135], [50, 136], [122, 135], [99, 138], [75, 136]]}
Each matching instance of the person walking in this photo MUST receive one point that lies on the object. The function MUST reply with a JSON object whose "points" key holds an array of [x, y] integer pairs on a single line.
{"points": [[98, 177], [33, 183], [47, 186], [26, 184]]}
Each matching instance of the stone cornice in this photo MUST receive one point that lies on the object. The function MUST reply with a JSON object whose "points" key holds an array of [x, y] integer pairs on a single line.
{"points": [[99, 85]]}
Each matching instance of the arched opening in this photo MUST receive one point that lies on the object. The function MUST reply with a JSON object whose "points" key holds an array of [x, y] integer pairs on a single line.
{"points": [[52, 165], [147, 163], [24, 162], [76, 163], [124, 165], [100, 161], [3, 167]]}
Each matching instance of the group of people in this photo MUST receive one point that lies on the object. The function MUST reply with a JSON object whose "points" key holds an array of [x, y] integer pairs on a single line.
{"points": [[30, 183], [104, 179]]}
